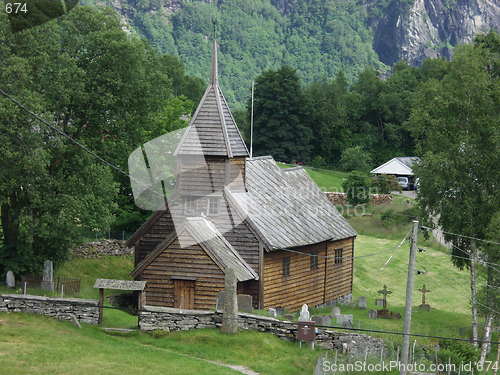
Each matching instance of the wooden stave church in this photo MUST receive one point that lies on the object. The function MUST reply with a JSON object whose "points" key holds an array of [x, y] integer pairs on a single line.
{"points": [[282, 257]]}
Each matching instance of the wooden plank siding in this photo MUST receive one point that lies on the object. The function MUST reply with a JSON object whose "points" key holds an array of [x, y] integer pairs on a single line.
{"points": [[190, 262], [306, 285], [339, 276]]}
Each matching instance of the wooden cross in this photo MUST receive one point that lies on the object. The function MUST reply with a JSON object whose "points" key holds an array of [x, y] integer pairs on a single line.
{"points": [[385, 292], [423, 290]]}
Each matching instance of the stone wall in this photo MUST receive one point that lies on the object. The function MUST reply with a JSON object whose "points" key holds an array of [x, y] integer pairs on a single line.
{"points": [[102, 248], [340, 199], [170, 319], [84, 310]]}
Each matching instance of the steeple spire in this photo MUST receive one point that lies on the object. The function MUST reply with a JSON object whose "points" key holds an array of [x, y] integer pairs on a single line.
{"points": [[214, 72]]}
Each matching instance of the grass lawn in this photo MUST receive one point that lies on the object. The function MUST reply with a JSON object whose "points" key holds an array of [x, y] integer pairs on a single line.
{"points": [[34, 345], [327, 180]]}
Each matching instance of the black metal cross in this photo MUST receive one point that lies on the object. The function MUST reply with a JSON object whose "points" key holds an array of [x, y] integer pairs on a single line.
{"points": [[385, 292]]}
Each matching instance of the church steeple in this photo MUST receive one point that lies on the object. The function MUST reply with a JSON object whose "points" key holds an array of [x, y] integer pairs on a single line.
{"points": [[212, 130]]}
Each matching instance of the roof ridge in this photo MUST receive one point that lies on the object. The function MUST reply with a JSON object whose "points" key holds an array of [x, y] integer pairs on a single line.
{"points": [[260, 157]]}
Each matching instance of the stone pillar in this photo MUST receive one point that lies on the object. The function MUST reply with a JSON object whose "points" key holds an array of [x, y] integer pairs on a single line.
{"points": [[230, 313], [48, 276]]}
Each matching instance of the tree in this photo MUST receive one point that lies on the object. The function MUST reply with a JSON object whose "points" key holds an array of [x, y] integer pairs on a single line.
{"points": [[100, 86], [355, 158], [455, 122], [279, 117], [357, 188]]}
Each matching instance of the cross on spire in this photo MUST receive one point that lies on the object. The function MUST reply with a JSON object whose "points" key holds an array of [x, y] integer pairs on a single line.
{"points": [[385, 292], [214, 72], [423, 290]]}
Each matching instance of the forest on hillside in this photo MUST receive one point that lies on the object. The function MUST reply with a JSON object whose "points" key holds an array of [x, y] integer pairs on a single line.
{"points": [[318, 38]]}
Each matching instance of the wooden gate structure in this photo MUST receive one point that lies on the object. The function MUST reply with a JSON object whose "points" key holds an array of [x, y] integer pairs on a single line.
{"points": [[102, 284]]}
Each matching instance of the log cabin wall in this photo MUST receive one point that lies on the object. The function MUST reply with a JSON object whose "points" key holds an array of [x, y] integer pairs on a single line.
{"points": [[306, 285], [303, 285], [190, 262], [153, 236], [200, 175], [236, 174], [339, 275]]}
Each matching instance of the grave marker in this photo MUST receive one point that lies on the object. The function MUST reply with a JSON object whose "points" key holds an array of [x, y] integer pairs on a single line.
{"points": [[48, 276], [362, 303], [424, 306], [345, 320], [10, 279], [385, 292], [372, 314], [335, 311], [230, 314]]}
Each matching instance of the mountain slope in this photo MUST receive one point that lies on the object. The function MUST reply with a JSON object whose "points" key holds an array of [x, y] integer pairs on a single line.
{"points": [[317, 37]]}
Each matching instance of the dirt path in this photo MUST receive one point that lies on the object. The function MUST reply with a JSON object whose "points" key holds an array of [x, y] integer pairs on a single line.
{"points": [[241, 369]]}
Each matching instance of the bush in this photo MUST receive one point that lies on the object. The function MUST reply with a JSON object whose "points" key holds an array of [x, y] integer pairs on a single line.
{"points": [[384, 184], [355, 158], [357, 186], [318, 162], [457, 352]]}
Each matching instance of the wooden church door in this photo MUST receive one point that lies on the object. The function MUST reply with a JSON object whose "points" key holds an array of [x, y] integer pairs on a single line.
{"points": [[184, 294]]}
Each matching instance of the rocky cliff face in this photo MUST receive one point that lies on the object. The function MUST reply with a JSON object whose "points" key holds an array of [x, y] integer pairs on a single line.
{"points": [[431, 28]]}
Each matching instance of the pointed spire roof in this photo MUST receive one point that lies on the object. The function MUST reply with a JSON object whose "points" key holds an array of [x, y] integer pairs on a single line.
{"points": [[212, 130]]}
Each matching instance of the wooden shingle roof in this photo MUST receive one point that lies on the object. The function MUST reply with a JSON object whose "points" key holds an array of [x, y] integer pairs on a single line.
{"points": [[212, 130], [287, 208]]}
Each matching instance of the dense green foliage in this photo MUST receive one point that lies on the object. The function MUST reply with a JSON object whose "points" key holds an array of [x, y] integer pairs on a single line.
{"points": [[319, 38], [110, 92], [279, 124], [365, 123], [357, 188]]}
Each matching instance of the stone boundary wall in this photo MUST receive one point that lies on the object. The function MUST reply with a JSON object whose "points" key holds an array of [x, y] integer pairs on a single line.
{"points": [[340, 199], [84, 310], [153, 318], [98, 249]]}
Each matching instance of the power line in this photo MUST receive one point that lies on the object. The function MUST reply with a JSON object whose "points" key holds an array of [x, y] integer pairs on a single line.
{"points": [[60, 132], [344, 257], [464, 236], [397, 247], [489, 308]]}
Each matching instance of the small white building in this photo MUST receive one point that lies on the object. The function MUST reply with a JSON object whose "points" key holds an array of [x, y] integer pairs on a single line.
{"points": [[399, 167]]}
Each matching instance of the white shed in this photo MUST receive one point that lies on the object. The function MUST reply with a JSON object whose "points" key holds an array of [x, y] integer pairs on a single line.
{"points": [[401, 166]]}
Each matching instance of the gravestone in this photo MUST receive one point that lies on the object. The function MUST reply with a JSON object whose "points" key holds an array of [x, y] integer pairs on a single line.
{"points": [[272, 312], [304, 314], [230, 314], [10, 280], [379, 302], [335, 311], [362, 303], [372, 314], [244, 302], [322, 320], [48, 276], [424, 306], [345, 320]]}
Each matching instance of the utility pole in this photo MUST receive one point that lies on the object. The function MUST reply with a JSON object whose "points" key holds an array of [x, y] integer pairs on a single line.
{"points": [[410, 281]]}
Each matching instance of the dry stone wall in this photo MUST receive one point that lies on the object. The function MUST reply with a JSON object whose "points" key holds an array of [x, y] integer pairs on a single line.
{"points": [[102, 248], [153, 318], [84, 310], [340, 199]]}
